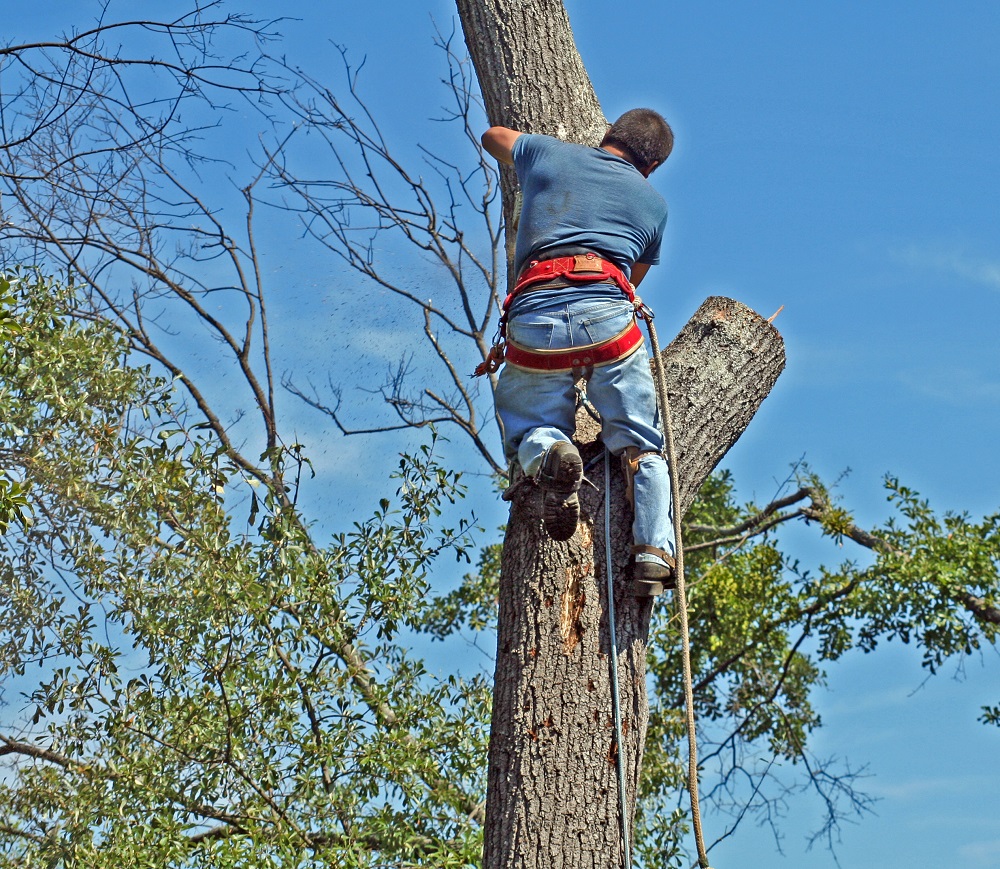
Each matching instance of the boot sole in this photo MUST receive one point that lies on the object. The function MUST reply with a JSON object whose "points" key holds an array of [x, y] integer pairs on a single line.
{"points": [[646, 587], [561, 504]]}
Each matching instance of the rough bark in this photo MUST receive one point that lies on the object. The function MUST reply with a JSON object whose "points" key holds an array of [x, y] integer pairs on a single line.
{"points": [[552, 791], [531, 75]]}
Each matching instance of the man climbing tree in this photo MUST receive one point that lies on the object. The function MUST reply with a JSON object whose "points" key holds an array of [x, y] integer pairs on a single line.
{"points": [[589, 221]]}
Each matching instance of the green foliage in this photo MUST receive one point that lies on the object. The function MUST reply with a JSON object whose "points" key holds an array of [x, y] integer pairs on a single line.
{"points": [[929, 565], [200, 690], [194, 676], [202, 682], [13, 502], [471, 606], [13, 495], [9, 326]]}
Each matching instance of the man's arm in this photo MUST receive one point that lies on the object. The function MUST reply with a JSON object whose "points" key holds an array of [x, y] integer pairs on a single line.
{"points": [[638, 273], [498, 142]]}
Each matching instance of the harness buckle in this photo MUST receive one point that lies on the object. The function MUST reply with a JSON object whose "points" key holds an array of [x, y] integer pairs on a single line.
{"points": [[494, 359]]}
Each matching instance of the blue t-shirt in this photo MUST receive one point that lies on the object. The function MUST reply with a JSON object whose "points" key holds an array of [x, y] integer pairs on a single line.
{"points": [[573, 195]]}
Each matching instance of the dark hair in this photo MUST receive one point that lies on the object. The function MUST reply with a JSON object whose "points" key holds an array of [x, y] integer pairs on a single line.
{"points": [[644, 136]]}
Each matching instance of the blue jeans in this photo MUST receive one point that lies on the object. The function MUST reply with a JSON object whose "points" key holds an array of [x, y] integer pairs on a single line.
{"points": [[539, 408]]}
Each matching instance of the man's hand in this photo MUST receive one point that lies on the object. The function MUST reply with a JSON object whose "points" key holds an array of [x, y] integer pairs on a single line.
{"points": [[498, 142]]}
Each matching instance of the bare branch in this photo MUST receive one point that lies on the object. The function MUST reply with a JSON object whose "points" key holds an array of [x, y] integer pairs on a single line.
{"points": [[27, 749], [373, 193]]}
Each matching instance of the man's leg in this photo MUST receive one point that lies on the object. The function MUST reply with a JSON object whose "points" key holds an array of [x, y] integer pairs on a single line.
{"points": [[538, 411], [647, 478]]}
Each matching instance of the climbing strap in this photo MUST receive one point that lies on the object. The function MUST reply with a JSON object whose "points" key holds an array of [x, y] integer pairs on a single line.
{"points": [[631, 457], [662, 554], [562, 271]]}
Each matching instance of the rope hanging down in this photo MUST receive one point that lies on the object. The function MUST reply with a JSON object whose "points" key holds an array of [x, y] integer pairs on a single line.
{"points": [[680, 593], [666, 423]]}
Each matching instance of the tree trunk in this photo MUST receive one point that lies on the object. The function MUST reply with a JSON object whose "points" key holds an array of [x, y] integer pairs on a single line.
{"points": [[552, 793]]}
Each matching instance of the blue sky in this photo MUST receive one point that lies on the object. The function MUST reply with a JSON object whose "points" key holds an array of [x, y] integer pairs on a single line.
{"points": [[841, 160]]}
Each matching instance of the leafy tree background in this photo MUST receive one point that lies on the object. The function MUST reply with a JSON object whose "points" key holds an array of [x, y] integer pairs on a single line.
{"points": [[13, 502], [246, 540]]}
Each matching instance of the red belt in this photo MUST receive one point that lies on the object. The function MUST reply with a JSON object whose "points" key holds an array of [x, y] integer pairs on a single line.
{"points": [[614, 349], [586, 268]]}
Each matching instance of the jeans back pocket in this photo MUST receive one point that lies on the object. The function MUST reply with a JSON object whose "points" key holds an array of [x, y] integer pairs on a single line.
{"points": [[529, 332], [603, 322]]}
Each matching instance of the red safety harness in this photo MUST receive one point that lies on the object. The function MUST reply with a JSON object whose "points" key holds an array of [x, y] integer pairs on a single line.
{"points": [[584, 268]]}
